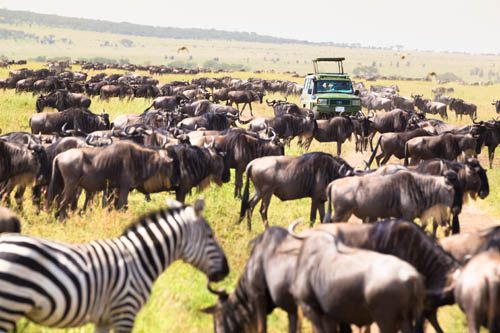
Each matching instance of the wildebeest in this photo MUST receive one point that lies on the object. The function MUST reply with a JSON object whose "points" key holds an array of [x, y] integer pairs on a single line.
{"points": [[283, 107], [407, 241], [241, 149], [333, 279], [20, 166], [464, 246], [374, 102], [209, 121], [405, 195], [394, 144], [120, 91], [477, 289], [428, 106], [404, 103], [289, 126], [290, 178], [263, 286], [245, 97], [471, 175], [445, 146], [463, 108], [167, 102], [73, 118], [334, 129], [392, 121], [122, 165], [9, 222], [62, 100], [497, 105]]}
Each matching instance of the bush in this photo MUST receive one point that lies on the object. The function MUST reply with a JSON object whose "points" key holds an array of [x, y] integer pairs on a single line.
{"points": [[183, 64], [224, 66]]}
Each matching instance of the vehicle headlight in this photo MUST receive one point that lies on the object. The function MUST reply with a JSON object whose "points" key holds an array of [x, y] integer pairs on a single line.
{"points": [[322, 101], [356, 102]]}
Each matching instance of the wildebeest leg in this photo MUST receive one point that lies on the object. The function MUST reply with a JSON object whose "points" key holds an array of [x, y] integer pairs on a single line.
{"points": [[473, 324], [294, 324], [339, 148], [432, 317], [251, 205], [89, 196], [251, 111], [266, 200], [19, 196], [321, 209], [314, 207], [123, 196], [307, 143], [180, 195], [491, 155], [261, 309], [36, 196], [147, 197], [6, 190], [238, 182]]}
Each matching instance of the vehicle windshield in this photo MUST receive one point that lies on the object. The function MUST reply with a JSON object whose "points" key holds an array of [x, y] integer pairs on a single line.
{"points": [[329, 86]]}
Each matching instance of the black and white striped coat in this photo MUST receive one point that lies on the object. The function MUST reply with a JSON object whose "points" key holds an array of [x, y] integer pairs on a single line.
{"points": [[105, 282]]}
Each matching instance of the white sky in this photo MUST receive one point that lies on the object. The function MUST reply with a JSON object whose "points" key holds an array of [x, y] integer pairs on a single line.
{"points": [[440, 25]]}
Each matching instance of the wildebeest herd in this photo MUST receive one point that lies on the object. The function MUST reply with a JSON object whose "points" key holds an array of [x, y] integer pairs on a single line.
{"points": [[387, 271]]}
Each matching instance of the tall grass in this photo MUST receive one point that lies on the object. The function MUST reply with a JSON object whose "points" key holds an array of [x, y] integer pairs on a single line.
{"points": [[179, 293]]}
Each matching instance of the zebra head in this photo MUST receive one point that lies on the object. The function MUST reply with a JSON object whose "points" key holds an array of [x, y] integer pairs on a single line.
{"points": [[200, 247]]}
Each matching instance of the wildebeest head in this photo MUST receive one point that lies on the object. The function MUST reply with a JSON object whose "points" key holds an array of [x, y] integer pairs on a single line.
{"points": [[105, 119], [477, 178], [218, 164], [40, 103], [452, 178], [40, 156]]}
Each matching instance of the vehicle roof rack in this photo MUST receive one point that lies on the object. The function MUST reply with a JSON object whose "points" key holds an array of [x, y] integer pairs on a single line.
{"points": [[337, 60]]}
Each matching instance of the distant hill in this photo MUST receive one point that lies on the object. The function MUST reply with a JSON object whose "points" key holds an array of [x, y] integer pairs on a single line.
{"points": [[12, 17]]}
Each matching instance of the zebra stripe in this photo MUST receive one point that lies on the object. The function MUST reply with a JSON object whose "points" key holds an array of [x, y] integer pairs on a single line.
{"points": [[105, 282]]}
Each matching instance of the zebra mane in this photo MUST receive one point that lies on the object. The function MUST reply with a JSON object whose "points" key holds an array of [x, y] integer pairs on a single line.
{"points": [[144, 220]]}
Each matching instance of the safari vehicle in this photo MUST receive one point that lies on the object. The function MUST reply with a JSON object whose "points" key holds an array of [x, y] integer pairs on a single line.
{"points": [[330, 94]]}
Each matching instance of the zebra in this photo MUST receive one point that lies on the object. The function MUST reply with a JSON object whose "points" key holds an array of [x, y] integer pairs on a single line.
{"points": [[105, 282]]}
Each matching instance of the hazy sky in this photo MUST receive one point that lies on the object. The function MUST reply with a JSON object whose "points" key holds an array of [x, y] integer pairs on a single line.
{"points": [[441, 25]]}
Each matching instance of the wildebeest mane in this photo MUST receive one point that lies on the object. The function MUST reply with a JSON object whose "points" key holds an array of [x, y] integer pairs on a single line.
{"points": [[408, 241], [127, 155], [238, 312], [217, 121], [317, 162], [192, 162], [10, 154], [78, 118]]}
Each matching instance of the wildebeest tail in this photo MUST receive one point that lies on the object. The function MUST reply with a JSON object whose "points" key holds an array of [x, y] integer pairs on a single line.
{"points": [[149, 107], [417, 306], [374, 151], [406, 154], [56, 184], [328, 214], [246, 195]]}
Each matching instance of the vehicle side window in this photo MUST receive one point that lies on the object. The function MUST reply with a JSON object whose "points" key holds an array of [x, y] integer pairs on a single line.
{"points": [[307, 85]]}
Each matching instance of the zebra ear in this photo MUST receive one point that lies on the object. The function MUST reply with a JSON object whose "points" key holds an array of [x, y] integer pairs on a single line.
{"points": [[199, 205]]}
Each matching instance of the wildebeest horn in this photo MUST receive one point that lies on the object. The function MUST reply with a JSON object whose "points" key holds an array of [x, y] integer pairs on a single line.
{"points": [[219, 293], [371, 114], [291, 228], [270, 104], [63, 128], [474, 120], [130, 130], [441, 164]]}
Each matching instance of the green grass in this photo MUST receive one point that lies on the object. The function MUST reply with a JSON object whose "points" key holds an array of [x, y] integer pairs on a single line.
{"points": [[179, 293]]}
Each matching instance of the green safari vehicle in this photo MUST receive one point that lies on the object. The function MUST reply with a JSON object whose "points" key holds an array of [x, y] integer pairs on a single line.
{"points": [[330, 94]]}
